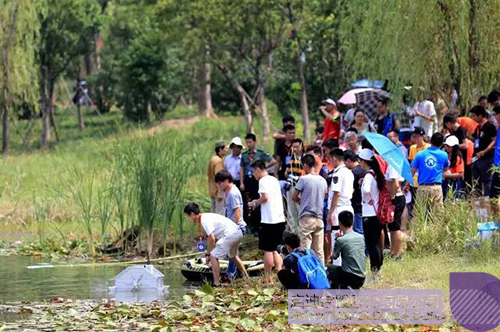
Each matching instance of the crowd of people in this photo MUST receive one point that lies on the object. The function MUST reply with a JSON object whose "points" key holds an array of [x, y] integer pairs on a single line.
{"points": [[336, 199]]}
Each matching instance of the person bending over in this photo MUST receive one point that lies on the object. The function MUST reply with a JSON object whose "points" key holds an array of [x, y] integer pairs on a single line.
{"points": [[223, 235]]}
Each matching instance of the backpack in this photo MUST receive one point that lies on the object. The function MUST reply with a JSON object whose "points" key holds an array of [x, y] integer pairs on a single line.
{"points": [[385, 208], [311, 272]]}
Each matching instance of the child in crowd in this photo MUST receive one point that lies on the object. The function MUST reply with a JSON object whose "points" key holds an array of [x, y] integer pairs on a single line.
{"points": [[351, 247]]}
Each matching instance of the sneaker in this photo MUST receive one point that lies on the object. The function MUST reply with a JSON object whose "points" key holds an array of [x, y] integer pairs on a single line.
{"points": [[394, 257]]}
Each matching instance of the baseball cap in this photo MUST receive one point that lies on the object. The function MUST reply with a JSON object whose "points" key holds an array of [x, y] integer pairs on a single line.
{"points": [[451, 140], [236, 141], [419, 131], [366, 154], [220, 144], [329, 101]]}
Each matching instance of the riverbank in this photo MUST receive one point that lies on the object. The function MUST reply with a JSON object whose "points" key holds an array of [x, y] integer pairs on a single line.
{"points": [[246, 305]]}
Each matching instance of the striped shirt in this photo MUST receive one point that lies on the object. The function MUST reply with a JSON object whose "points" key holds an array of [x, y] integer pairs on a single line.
{"points": [[294, 167]]}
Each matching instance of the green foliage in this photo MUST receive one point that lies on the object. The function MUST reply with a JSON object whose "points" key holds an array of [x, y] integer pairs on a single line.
{"points": [[434, 46], [65, 32], [443, 229], [19, 33], [143, 74]]}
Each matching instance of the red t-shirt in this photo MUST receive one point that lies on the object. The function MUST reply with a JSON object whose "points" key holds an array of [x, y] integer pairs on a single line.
{"points": [[331, 129]]}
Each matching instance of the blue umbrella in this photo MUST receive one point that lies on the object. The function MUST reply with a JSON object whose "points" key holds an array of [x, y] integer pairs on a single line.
{"points": [[366, 83], [390, 153]]}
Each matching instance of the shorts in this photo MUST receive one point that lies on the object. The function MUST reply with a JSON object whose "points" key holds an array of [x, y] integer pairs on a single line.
{"points": [[495, 185], [399, 203], [227, 246], [271, 236], [339, 209]]}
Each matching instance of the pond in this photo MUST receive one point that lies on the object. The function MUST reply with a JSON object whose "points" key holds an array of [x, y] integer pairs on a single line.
{"points": [[78, 282]]}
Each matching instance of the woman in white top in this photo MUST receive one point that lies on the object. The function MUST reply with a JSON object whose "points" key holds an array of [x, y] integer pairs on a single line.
{"points": [[373, 182]]}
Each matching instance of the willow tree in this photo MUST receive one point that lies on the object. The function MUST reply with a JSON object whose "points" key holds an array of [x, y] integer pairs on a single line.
{"points": [[19, 27], [436, 45]]}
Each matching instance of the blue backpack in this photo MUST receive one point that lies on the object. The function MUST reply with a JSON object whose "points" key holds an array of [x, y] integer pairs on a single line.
{"points": [[311, 271]]}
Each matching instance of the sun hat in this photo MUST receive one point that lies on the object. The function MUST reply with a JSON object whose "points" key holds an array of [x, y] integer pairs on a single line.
{"points": [[329, 101], [220, 144], [451, 140], [366, 154], [236, 141]]}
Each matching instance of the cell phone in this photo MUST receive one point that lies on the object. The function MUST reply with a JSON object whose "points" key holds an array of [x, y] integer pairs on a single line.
{"points": [[474, 159]]}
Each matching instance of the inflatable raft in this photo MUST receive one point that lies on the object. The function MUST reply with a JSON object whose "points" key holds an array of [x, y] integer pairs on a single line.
{"points": [[197, 269]]}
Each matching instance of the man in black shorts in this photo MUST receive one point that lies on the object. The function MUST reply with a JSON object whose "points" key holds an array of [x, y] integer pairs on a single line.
{"points": [[273, 222]]}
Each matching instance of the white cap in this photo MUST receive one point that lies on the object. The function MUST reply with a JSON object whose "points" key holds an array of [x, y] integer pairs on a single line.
{"points": [[451, 140], [329, 101], [236, 141], [366, 154]]}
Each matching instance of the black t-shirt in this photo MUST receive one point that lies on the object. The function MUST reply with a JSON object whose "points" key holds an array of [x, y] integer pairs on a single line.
{"points": [[359, 173], [284, 152], [461, 134], [483, 136]]}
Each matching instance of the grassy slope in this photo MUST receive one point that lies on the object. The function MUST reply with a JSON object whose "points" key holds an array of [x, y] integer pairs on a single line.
{"points": [[38, 176], [33, 178]]}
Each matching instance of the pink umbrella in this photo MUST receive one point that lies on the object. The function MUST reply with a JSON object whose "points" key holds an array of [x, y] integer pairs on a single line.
{"points": [[350, 96]]}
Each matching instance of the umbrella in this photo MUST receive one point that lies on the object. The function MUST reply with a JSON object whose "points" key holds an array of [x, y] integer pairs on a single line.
{"points": [[367, 101], [390, 153], [366, 83], [350, 96]]}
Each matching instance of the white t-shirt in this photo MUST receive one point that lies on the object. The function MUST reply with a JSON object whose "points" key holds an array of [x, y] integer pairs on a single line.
{"points": [[218, 224], [342, 182], [427, 108], [272, 210], [369, 191], [391, 174]]}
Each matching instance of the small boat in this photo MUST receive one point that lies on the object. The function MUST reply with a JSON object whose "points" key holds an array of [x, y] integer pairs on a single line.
{"points": [[196, 269]]}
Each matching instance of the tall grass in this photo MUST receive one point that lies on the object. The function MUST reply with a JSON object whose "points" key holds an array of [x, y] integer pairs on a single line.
{"points": [[157, 171], [82, 188], [443, 228]]}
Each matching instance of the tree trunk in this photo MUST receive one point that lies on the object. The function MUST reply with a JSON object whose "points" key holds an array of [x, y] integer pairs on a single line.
{"points": [[81, 124], [205, 91], [5, 129], [261, 103], [46, 101], [88, 63], [51, 110], [300, 71], [247, 112], [244, 98]]}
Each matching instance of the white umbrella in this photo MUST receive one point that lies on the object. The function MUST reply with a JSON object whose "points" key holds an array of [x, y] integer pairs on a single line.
{"points": [[349, 97]]}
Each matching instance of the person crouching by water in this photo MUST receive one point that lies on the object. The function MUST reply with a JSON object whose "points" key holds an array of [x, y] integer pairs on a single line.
{"points": [[223, 236], [351, 247]]}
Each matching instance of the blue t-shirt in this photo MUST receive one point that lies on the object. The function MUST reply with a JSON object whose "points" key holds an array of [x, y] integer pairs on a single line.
{"points": [[496, 158], [430, 164]]}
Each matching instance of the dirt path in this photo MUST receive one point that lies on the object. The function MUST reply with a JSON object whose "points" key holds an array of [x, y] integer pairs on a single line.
{"points": [[176, 123]]}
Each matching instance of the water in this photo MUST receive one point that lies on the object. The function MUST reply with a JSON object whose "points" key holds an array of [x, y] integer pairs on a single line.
{"points": [[18, 283]]}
